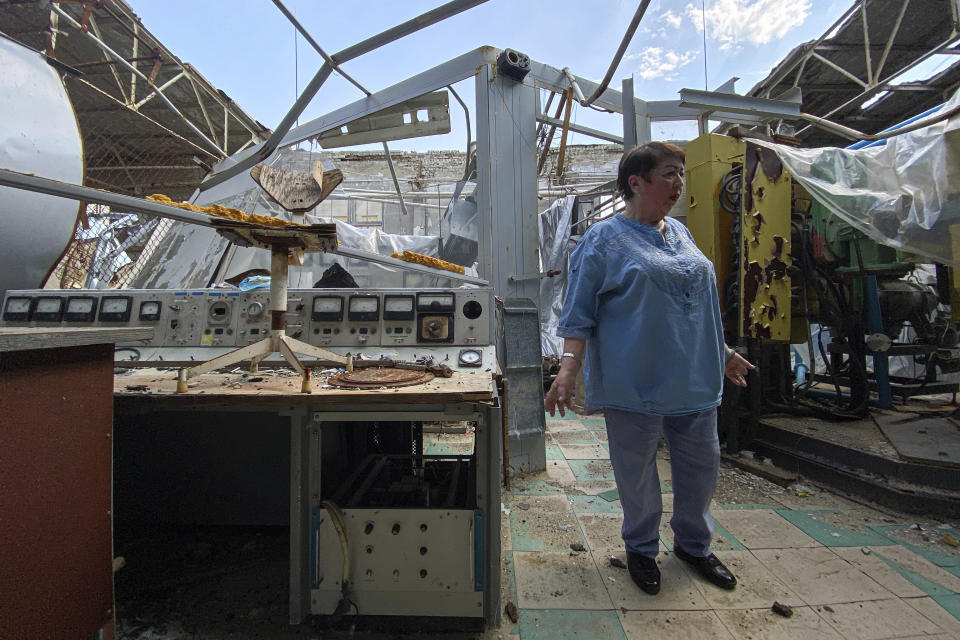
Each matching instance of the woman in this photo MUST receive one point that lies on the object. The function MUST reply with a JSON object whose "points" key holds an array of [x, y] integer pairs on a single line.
{"points": [[642, 313]]}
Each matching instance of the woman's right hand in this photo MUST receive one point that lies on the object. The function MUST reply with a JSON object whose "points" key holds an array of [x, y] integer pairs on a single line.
{"points": [[561, 392]]}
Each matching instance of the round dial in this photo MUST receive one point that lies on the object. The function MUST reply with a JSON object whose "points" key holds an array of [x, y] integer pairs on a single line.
{"points": [[255, 309], [470, 358]]}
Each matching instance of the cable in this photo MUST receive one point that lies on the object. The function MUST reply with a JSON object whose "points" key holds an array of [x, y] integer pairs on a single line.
{"points": [[345, 604]]}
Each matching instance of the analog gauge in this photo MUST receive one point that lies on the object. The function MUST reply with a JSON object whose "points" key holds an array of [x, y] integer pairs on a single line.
{"points": [[254, 309], [150, 310], [398, 307], [364, 308], [17, 308], [48, 309], [80, 309], [115, 309], [470, 358], [435, 302], [327, 309]]}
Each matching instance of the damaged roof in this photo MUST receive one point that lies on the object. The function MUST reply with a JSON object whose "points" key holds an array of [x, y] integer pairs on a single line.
{"points": [[135, 142], [843, 69]]}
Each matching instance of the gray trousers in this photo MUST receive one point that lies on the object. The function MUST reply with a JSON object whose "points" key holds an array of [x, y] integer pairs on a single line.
{"points": [[694, 463]]}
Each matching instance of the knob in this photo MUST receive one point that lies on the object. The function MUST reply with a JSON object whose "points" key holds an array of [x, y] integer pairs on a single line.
{"points": [[255, 308]]}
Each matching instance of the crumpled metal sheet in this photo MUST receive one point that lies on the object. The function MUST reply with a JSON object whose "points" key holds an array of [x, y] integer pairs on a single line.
{"points": [[904, 194], [555, 248]]}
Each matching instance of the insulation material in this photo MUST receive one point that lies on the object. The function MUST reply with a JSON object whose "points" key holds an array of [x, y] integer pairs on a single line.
{"points": [[904, 194], [555, 248]]}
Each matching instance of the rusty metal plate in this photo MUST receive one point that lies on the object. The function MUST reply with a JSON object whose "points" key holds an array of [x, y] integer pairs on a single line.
{"points": [[379, 377]]}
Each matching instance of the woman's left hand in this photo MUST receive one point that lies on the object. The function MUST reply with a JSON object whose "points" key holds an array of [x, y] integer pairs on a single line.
{"points": [[736, 369]]}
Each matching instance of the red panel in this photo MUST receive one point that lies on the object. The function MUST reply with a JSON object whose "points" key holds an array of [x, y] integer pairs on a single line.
{"points": [[56, 423]]}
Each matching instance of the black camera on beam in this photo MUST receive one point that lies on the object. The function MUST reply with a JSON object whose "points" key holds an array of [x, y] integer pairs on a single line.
{"points": [[513, 64]]}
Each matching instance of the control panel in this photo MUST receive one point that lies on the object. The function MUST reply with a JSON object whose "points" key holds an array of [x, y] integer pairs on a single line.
{"points": [[227, 318]]}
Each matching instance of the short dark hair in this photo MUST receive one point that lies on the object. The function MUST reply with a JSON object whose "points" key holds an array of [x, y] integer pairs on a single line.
{"points": [[643, 159]]}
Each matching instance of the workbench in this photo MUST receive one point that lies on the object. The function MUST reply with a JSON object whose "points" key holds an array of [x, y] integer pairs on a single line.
{"points": [[396, 574]]}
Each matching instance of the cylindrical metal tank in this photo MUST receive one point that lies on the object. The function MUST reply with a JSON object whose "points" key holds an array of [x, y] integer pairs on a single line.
{"points": [[38, 135]]}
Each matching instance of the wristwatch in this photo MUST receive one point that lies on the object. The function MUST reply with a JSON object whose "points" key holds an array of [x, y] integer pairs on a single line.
{"points": [[575, 357]]}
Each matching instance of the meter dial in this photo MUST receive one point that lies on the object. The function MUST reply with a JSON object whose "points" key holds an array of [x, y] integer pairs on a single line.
{"points": [[150, 310], [80, 309], [115, 309], [364, 308], [470, 358], [48, 309], [327, 309], [435, 302], [17, 308], [398, 307], [254, 309]]}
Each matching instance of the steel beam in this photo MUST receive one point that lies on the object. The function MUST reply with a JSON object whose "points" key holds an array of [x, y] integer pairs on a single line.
{"points": [[115, 201], [262, 152], [712, 101], [596, 133]]}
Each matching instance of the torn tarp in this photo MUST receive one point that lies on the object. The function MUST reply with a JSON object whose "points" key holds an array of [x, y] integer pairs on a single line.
{"points": [[904, 194]]}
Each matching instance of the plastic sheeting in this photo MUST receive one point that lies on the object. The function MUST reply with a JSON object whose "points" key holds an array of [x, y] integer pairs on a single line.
{"points": [[193, 256], [555, 247], [904, 194]]}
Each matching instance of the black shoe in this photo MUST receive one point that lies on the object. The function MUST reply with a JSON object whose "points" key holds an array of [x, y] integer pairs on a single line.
{"points": [[644, 571], [709, 567]]}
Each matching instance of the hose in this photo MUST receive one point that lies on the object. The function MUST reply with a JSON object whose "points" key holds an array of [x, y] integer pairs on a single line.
{"points": [[627, 37]]}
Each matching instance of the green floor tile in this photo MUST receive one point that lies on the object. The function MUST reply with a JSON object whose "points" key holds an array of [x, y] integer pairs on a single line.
{"points": [[575, 437], [666, 486], [610, 495], [526, 537], [595, 504], [943, 560], [449, 449], [521, 487], [746, 505], [554, 452], [829, 535], [570, 416], [950, 603], [926, 585], [591, 470], [567, 624], [731, 542], [667, 542], [595, 423]]}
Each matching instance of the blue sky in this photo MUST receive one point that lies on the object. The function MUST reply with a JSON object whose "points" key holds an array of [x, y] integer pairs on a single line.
{"points": [[247, 48]]}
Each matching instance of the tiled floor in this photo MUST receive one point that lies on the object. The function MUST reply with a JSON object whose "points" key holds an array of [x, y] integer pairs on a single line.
{"points": [[845, 569]]}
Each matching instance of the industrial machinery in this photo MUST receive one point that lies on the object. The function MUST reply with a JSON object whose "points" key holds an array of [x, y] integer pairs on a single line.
{"points": [[785, 263], [387, 528]]}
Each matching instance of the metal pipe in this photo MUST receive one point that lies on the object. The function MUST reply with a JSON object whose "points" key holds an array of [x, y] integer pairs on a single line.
{"points": [[395, 33], [883, 135], [153, 94], [123, 62], [115, 201], [573, 84], [627, 37]]}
